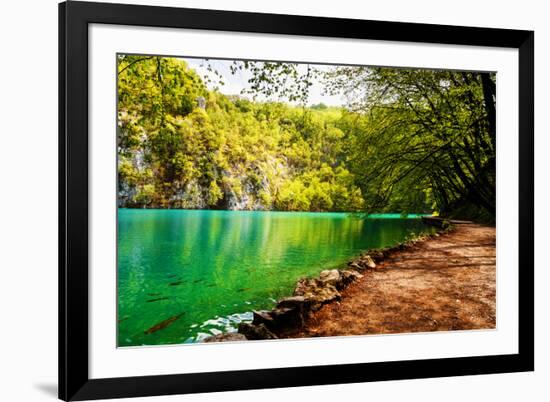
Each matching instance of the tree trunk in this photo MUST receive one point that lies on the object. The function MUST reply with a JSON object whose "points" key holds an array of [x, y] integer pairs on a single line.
{"points": [[489, 96]]}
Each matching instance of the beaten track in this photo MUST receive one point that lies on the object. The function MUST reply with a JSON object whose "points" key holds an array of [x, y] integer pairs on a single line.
{"points": [[440, 284]]}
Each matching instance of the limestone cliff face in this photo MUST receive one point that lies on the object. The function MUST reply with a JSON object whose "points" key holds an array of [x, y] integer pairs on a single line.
{"points": [[241, 189], [224, 154]]}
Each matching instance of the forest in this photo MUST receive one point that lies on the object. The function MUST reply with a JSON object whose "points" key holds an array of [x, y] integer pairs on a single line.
{"points": [[405, 141]]}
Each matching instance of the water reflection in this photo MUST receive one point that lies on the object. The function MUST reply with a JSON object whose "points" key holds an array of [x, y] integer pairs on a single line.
{"points": [[208, 268]]}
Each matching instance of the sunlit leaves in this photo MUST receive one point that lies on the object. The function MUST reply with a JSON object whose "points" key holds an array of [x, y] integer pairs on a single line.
{"points": [[407, 141], [234, 153], [422, 138]]}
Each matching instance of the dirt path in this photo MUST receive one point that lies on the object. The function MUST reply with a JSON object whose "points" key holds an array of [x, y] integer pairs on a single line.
{"points": [[444, 283]]}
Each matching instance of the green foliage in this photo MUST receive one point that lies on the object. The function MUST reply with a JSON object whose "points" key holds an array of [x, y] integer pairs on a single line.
{"points": [[409, 141], [423, 139], [291, 81], [233, 154]]}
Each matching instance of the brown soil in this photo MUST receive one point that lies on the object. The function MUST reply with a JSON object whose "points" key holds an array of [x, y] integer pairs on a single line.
{"points": [[440, 284]]}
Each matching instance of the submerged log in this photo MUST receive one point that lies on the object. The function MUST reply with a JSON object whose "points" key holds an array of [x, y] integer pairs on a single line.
{"points": [[157, 299], [162, 324]]}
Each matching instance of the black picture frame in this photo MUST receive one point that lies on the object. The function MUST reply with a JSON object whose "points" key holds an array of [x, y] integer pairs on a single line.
{"points": [[74, 381]]}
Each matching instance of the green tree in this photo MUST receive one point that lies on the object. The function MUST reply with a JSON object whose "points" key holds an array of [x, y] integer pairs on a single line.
{"points": [[408, 140]]}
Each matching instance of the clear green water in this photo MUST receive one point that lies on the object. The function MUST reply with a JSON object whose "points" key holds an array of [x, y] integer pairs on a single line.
{"points": [[212, 268]]}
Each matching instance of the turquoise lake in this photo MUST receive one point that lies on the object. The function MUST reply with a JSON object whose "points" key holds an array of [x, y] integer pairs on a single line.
{"points": [[205, 271]]}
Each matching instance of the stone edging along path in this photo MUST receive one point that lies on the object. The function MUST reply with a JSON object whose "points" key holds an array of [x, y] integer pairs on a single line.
{"points": [[442, 284], [310, 294]]}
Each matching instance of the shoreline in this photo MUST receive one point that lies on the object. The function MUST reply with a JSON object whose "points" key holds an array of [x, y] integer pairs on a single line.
{"points": [[302, 314], [389, 215], [443, 284]]}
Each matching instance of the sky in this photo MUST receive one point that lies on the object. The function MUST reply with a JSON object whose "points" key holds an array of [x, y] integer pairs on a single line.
{"points": [[235, 83]]}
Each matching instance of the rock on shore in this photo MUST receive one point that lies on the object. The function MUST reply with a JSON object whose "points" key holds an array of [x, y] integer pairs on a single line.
{"points": [[226, 337], [310, 294]]}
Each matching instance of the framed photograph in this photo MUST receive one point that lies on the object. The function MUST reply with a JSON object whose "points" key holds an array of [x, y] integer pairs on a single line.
{"points": [[256, 200]]}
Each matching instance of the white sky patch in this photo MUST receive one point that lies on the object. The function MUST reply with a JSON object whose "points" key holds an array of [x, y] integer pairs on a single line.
{"points": [[234, 84]]}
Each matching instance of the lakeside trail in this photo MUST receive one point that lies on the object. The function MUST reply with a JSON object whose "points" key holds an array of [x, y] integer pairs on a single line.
{"points": [[440, 284]]}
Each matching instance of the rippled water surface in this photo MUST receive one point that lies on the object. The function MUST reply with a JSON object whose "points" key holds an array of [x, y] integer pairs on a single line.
{"points": [[187, 274]]}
